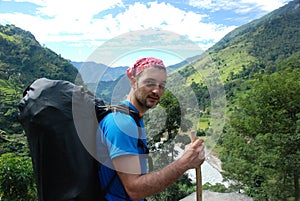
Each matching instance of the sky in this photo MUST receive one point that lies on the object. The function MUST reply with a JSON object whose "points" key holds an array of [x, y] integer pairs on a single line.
{"points": [[116, 32]]}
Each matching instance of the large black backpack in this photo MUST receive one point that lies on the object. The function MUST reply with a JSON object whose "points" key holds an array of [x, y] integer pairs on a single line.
{"points": [[60, 120]]}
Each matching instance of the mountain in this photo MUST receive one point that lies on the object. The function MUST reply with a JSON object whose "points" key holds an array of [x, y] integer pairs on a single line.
{"points": [[260, 44], [22, 55], [215, 80], [264, 51], [254, 48], [22, 60], [91, 72]]}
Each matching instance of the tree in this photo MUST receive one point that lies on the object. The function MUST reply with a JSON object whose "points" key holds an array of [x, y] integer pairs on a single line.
{"points": [[165, 122], [16, 178], [261, 145]]}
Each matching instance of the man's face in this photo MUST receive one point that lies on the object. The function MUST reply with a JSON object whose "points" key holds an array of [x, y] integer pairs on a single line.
{"points": [[150, 85]]}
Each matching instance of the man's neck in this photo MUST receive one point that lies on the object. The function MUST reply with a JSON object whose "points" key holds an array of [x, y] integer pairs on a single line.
{"points": [[137, 104]]}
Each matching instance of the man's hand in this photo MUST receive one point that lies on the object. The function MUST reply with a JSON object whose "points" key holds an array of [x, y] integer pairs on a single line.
{"points": [[194, 154]]}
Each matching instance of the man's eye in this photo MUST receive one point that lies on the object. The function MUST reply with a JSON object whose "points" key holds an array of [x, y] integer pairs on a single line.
{"points": [[162, 86], [150, 83]]}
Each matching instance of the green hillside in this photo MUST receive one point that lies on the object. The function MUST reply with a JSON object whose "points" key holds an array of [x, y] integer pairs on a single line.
{"points": [[22, 60], [254, 48], [260, 44], [258, 66]]}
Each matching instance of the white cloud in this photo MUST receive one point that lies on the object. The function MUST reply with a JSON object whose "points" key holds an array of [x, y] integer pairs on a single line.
{"points": [[73, 21], [55, 19], [166, 17]]}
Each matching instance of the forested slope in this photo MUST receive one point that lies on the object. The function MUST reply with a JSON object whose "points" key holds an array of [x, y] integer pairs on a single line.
{"points": [[259, 65], [22, 60]]}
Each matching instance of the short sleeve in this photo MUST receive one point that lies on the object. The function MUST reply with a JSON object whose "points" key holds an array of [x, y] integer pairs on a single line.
{"points": [[120, 134]]}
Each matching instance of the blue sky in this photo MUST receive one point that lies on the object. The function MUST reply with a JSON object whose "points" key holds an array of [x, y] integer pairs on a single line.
{"points": [[78, 29]]}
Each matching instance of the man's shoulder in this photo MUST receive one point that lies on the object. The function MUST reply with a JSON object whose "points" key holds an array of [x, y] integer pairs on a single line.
{"points": [[119, 119]]}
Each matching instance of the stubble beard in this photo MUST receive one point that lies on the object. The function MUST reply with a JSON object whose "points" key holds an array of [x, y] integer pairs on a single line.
{"points": [[143, 101]]}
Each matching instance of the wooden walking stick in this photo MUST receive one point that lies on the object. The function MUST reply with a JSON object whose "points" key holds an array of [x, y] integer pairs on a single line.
{"points": [[198, 173]]}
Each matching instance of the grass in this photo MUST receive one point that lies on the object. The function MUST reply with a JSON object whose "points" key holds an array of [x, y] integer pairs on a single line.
{"points": [[204, 123], [9, 38], [6, 87]]}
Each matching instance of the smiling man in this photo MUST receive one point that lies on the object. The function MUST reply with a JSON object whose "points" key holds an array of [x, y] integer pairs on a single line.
{"points": [[123, 165]]}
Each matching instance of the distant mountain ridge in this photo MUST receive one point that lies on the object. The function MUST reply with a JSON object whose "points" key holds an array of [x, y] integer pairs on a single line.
{"points": [[91, 72]]}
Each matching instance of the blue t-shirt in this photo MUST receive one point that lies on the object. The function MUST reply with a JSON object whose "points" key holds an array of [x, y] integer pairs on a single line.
{"points": [[118, 136]]}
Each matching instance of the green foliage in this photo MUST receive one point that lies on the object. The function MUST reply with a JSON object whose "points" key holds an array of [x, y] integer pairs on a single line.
{"points": [[22, 60], [180, 189], [21, 55], [261, 146], [187, 71], [202, 94], [10, 95], [166, 120], [15, 143], [16, 178], [221, 188]]}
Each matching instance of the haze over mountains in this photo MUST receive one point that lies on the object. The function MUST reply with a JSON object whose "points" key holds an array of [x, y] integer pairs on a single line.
{"points": [[91, 70]]}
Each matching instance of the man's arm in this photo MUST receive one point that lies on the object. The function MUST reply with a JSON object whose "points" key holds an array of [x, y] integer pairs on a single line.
{"points": [[140, 186]]}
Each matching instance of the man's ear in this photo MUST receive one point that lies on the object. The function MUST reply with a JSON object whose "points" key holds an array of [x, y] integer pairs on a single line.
{"points": [[133, 83]]}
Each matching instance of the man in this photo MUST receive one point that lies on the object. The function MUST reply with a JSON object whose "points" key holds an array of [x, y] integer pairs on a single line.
{"points": [[123, 174]]}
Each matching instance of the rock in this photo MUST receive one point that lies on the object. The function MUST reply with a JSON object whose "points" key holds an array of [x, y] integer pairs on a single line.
{"points": [[214, 196]]}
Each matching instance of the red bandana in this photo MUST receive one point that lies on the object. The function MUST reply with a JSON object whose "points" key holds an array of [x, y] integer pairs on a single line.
{"points": [[141, 65]]}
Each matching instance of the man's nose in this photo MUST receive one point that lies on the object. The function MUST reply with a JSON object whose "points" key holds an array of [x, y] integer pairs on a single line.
{"points": [[157, 89]]}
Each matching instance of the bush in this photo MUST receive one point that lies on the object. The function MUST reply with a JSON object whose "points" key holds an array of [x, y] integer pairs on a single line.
{"points": [[216, 188], [16, 178]]}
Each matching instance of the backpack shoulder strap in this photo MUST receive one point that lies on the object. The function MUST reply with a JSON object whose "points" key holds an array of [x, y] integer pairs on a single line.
{"points": [[136, 116], [127, 110], [102, 110]]}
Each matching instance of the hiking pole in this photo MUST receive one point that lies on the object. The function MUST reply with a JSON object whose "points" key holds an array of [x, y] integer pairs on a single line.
{"points": [[198, 173]]}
